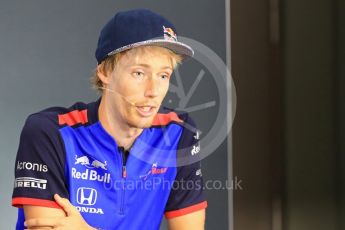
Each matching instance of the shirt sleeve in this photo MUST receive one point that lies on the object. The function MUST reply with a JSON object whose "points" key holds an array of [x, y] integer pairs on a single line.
{"points": [[39, 165], [187, 194]]}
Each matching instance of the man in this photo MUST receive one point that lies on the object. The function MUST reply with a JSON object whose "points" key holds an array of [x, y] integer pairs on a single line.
{"points": [[106, 164]]}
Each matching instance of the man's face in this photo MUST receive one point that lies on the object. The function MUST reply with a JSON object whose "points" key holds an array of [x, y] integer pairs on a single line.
{"points": [[141, 80]]}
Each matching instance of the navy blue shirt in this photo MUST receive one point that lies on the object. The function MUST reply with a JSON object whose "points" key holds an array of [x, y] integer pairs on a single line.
{"points": [[67, 151]]}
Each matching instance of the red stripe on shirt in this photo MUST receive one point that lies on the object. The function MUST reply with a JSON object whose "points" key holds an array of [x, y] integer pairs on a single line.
{"points": [[164, 119], [20, 201], [74, 117], [187, 210]]}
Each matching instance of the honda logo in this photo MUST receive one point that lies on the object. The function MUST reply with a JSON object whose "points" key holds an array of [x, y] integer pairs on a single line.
{"points": [[86, 196]]}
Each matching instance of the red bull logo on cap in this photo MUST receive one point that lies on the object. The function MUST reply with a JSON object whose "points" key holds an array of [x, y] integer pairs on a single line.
{"points": [[169, 34]]}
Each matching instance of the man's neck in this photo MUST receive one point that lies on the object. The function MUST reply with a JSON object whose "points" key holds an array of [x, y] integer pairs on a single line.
{"points": [[124, 134]]}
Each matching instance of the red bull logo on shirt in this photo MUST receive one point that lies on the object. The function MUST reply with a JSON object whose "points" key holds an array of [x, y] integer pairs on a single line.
{"points": [[90, 173], [84, 160]]}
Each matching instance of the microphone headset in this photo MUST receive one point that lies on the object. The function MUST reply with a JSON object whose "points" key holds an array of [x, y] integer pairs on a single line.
{"points": [[113, 91]]}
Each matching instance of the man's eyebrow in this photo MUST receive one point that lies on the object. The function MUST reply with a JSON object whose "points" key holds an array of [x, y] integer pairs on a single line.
{"points": [[148, 66], [166, 67]]}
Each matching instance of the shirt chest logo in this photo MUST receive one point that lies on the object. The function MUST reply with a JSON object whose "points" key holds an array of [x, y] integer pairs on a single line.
{"points": [[155, 170], [86, 199], [84, 160], [94, 169]]}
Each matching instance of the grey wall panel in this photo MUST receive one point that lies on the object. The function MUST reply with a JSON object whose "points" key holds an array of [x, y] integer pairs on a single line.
{"points": [[310, 112], [47, 57], [341, 109]]}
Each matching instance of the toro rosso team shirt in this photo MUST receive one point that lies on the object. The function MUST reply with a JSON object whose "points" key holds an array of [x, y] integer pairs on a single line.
{"points": [[67, 151]]}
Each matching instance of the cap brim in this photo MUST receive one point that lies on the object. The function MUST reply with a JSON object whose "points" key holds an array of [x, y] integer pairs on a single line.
{"points": [[177, 47]]}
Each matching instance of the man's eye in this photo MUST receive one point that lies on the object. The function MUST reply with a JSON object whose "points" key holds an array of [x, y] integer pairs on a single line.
{"points": [[138, 74], [165, 76]]}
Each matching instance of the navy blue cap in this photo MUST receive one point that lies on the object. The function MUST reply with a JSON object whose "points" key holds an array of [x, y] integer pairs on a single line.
{"points": [[133, 28]]}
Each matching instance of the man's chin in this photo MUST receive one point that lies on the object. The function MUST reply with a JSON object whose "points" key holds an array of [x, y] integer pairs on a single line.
{"points": [[141, 123]]}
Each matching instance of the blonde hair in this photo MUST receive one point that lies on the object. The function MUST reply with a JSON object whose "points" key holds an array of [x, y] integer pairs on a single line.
{"points": [[109, 64]]}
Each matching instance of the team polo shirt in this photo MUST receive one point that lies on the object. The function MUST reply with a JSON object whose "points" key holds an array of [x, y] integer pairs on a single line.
{"points": [[67, 151]]}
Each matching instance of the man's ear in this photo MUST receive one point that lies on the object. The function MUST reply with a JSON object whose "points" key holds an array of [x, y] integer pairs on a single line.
{"points": [[103, 75]]}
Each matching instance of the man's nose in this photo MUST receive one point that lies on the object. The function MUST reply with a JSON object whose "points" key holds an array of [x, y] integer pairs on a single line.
{"points": [[152, 88]]}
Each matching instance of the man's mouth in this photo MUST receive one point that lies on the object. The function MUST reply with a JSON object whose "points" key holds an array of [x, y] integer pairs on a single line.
{"points": [[145, 111]]}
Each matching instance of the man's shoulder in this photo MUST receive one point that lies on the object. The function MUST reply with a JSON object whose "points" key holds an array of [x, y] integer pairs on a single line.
{"points": [[167, 116], [59, 116]]}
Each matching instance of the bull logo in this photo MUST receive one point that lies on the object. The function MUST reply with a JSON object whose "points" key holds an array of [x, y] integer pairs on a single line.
{"points": [[153, 171], [169, 34], [84, 160], [98, 164]]}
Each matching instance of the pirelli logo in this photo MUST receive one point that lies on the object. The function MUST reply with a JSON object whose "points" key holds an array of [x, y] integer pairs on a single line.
{"points": [[30, 182]]}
